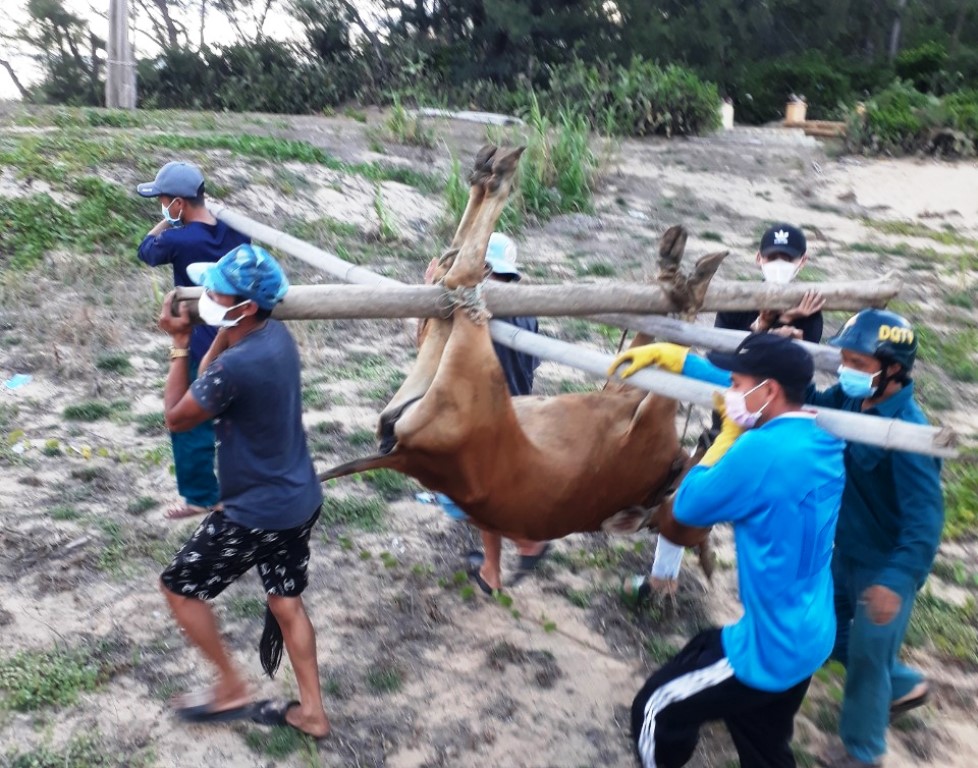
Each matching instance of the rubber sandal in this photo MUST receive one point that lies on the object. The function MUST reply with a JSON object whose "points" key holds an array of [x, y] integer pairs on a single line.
{"points": [[906, 705], [273, 712]]}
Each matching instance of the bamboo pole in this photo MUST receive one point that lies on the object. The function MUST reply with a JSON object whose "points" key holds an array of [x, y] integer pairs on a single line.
{"points": [[720, 339], [873, 430], [891, 434]]}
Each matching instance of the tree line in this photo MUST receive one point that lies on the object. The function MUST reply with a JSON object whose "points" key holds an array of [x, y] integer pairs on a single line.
{"points": [[491, 53]]}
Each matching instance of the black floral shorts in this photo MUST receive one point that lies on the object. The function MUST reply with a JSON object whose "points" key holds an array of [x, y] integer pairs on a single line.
{"points": [[220, 552]]}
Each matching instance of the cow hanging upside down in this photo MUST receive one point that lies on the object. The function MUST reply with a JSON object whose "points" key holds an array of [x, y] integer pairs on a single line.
{"points": [[535, 468]]}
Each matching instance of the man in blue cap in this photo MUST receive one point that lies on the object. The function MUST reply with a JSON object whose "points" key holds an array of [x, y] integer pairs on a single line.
{"points": [[889, 531], [778, 478], [250, 385], [188, 234]]}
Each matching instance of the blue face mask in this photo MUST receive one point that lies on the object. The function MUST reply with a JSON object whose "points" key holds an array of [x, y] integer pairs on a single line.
{"points": [[857, 384], [166, 214]]}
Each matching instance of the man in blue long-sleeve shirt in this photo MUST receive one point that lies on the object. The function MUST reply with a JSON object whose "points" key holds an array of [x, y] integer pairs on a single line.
{"points": [[188, 234], [780, 485], [889, 530], [889, 526]]}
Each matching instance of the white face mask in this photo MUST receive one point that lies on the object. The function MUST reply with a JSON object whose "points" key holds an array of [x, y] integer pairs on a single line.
{"points": [[214, 314], [173, 222], [779, 271], [736, 404]]}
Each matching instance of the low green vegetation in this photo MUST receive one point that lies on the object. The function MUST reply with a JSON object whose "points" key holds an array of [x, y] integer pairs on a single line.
{"points": [[366, 513], [960, 483], [954, 353], [385, 677], [55, 677], [950, 630], [86, 750], [91, 410], [388, 483], [410, 129]]}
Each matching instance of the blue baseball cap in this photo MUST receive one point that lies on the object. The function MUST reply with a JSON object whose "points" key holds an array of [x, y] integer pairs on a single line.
{"points": [[500, 256], [248, 271], [768, 356], [174, 179]]}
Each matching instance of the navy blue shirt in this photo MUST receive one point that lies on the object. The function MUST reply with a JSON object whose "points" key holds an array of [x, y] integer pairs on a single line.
{"points": [[182, 246], [254, 392], [892, 509], [518, 366], [810, 327]]}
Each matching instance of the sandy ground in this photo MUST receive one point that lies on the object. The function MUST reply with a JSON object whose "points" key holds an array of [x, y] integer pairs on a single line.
{"points": [[543, 682]]}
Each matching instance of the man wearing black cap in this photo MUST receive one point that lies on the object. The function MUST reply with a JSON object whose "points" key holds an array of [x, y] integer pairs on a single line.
{"points": [[781, 256], [188, 234], [778, 478]]}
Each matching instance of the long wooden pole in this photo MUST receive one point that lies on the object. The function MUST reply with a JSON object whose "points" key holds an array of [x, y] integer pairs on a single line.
{"points": [[873, 430], [544, 300], [323, 302]]}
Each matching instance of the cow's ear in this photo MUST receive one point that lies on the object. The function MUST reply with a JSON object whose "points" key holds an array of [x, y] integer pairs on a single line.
{"points": [[627, 521]]}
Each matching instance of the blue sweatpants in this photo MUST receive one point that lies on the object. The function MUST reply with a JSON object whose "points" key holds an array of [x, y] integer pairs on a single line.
{"points": [[193, 459], [870, 654]]}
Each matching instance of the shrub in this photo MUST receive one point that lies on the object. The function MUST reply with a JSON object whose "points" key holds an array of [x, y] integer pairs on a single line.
{"points": [[765, 87], [922, 66], [642, 99], [898, 119]]}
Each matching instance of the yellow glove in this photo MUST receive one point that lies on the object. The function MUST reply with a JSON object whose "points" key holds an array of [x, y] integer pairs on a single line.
{"points": [[670, 357], [729, 432]]}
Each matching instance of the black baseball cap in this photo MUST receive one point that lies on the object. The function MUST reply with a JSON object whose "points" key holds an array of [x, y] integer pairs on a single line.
{"points": [[784, 238], [768, 356]]}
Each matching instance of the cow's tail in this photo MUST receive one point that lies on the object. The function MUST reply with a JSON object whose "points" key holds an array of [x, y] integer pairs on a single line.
{"points": [[378, 461]]}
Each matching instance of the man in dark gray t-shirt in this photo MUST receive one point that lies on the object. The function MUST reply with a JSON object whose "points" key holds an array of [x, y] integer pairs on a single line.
{"points": [[249, 384]]}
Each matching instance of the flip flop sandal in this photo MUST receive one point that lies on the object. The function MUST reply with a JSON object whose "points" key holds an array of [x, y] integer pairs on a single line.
{"points": [[273, 712], [205, 713], [908, 704], [529, 563], [474, 561]]}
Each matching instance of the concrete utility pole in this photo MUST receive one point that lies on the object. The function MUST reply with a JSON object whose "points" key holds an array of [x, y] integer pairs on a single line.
{"points": [[120, 80]]}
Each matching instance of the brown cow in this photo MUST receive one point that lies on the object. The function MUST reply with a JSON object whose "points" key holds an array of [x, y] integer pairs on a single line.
{"points": [[531, 467]]}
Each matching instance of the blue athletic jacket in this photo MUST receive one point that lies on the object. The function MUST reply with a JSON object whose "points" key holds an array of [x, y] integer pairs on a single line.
{"points": [[780, 485]]}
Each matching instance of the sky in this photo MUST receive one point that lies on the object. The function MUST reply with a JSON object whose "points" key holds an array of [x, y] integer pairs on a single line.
{"points": [[278, 25]]}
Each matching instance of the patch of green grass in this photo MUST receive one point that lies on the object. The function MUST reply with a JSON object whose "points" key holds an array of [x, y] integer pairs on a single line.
{"points": [[961, 299], [55, 677], [364, 513], [361, 437], [409, 129], [595, 269], [385, 678], [278, 150], [960, 483], [52, 447], [355, 114], [955, 572], [86, 750], [114, 362], [569, 387], [245, 607], [279, 742], [287, 181], [386, 228], [63, 512], [659, 649], [113, 552], [141, 505], [950, 629], [913, 229], [579, 597], [315, 398], [388, 483], [152, 423], [714, 236], [953, 353], [90, 410]]}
